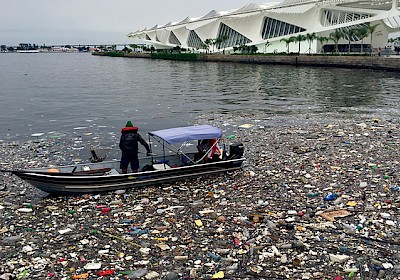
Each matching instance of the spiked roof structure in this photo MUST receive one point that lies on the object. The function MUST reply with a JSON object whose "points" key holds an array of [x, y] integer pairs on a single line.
{"points": [[271, 24]]}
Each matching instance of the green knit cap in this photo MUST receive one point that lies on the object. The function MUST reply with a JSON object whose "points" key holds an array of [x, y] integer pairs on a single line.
{"points": [[129, 124]]}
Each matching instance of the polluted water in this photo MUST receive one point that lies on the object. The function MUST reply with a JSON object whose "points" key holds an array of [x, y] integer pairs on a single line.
{"points": [[317, 198]]}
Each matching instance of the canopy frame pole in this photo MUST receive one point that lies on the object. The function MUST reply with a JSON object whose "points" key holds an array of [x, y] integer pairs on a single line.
{"points": [[180, 152], [151, 149], [163, 149], [177, 150]]}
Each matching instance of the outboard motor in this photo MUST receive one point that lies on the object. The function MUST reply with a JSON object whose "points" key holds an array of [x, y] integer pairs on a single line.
{"points": [[236, 150]]}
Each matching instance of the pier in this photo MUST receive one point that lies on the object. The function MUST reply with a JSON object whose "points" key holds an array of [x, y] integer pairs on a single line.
{"points": [[388, 63]]}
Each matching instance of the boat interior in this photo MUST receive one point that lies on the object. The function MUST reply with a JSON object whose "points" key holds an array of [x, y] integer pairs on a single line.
{"points": [[112, 167], [146, 164]]}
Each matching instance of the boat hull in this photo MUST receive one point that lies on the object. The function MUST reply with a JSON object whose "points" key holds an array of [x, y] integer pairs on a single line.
{"points": [[70, 183]]}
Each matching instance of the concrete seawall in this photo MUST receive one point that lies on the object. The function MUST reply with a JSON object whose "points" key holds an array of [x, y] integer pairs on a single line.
{"points": [[345, 61]]}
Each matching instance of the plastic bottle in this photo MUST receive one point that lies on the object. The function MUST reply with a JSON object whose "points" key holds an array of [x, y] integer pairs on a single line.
{"points": [[250, 241], [330, 197], [315, 194], [349, 228], [138, 273], [181, 258], [394, 188], [214, 257], [12, 239], [228, 260], [23, 274], [197, 203], [343, 248], [338, 201], [286, 246], [298, 245], [271, 225], [106, 272], [137, 231], [116, 202], [233, 267]]}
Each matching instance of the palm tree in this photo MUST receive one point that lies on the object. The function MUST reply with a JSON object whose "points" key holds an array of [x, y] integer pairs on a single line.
{"points": [[310, 37], [126, 49], [299, 38], [224, 38], [336, 36], [349, 34], [253, 49], [391, 42], [266, 45], [371, 31], [218, 42], [213, 43], [322, 39], [362, 33], [207, 43], [288, 41], [203, 46], [134, 46]]}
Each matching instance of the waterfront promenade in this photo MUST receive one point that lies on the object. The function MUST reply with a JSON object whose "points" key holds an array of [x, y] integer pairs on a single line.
{"points": [[389, 63]]}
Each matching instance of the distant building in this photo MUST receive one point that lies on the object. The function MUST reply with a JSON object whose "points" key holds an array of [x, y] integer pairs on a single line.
{"points": [[268, 26], [64, 49]]}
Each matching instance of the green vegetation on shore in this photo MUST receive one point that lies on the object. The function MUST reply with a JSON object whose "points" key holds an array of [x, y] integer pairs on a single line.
{"points": [[115, 54], [175, 56]]}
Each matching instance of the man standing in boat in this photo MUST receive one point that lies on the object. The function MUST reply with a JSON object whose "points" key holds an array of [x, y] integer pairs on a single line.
{"points": [[128, 144]]}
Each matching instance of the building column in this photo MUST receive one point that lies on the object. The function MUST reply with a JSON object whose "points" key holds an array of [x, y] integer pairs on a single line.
{"points": [[395, 4]]}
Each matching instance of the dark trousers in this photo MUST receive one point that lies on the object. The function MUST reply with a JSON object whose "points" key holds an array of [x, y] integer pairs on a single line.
{"points": [[129, 158]]}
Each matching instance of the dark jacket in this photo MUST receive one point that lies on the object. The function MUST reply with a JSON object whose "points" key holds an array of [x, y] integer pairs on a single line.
{"points": [[128, 142]]}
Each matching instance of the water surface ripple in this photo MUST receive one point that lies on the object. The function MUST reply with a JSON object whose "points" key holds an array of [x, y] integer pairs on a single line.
{"points": [[58, 93]]}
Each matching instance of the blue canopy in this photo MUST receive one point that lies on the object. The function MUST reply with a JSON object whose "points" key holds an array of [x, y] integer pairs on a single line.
{"points": [[187, 133]]}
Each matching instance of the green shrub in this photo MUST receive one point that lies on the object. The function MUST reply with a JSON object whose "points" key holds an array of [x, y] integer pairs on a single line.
{"points": [[175, 56], [114, 54]]}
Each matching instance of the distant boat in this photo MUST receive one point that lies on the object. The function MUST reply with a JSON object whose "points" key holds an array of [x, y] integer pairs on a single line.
{"points": [[27, 51]]}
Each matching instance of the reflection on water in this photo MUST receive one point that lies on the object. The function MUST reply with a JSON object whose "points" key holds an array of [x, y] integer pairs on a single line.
{"points": [[59, 92], [283, 89]]}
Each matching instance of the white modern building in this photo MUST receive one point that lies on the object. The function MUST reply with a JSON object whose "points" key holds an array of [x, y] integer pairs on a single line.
{"points": [[267, 26]]}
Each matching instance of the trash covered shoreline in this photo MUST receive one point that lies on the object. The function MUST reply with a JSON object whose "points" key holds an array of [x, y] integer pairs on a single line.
{"points": [[317, 198]]}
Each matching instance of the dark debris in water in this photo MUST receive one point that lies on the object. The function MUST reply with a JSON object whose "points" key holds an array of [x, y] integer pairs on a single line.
{"points": [[317, 198]]}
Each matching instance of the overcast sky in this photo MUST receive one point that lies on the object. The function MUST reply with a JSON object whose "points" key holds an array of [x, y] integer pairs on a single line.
{"points": [[57, 22]]}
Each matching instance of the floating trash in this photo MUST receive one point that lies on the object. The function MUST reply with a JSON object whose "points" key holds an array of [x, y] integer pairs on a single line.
{"points": [[269, 220], [246, 126]]}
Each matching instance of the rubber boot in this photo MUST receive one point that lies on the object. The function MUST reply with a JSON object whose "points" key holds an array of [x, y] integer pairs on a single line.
{"points": [[124, 171]]}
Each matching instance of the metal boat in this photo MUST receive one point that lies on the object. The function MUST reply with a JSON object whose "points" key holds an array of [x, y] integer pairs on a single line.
{"points": [[174, 163]]}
